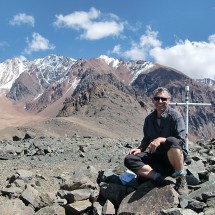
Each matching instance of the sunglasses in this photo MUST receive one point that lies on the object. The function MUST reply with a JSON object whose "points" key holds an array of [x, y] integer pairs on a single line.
{"points": [[156, 98]]}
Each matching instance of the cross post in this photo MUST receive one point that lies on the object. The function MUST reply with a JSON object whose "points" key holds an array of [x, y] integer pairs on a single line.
{"points": [[187, 104]]}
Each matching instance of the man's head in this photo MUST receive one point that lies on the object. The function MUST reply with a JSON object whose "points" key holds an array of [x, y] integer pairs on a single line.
{"points": [[161, 99]]}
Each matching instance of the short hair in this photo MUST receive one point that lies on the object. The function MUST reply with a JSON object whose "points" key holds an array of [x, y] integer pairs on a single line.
{"points": [[160, 90]]}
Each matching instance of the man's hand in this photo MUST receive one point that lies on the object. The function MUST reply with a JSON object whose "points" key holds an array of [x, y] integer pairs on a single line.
{"points": [[134, 151], [154, 144]]}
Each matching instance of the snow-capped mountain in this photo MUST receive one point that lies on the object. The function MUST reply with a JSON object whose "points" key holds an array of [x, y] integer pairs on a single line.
{"points": [[10, 71], [208, 82], [70, 85], [45, 70], [33, 77], [52, 68], [134, 67]]}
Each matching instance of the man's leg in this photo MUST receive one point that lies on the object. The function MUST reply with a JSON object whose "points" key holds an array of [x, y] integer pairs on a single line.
{"points": [[176, 159], [146, 171], [140, 164]]}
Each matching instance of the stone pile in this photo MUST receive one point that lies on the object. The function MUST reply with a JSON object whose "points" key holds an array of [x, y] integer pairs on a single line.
{"points": [[94, 186]]}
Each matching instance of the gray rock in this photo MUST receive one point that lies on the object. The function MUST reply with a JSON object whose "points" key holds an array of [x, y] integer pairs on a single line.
{"points": [[81, 194], [97, 208], [78, 183], [15, 207], [29, 135], [12, 191], [178, 211], [78, 207], [51, 210], [206, 191], [184, 201], [192, 177], [30, 195], [196, 206], [90, 171], [62, 202], [44, 200], [151, 202], [108, 208], [211, 202], [198, 166], [209, 211], [75, 195], [24, 174]]}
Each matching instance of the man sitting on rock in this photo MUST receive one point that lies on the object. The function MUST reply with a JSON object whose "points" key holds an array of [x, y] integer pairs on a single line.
{"points": [[162, 148]]}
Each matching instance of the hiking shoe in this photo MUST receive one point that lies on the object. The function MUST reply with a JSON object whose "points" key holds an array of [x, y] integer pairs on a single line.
{"points": [[181, 185]]}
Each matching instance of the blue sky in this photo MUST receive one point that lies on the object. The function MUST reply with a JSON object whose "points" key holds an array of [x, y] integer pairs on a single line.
{"points": [[178, 34]]}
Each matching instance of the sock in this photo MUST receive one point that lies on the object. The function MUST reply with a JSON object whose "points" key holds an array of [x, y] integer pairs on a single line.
{"points": [[180, 172], [156, 175]]}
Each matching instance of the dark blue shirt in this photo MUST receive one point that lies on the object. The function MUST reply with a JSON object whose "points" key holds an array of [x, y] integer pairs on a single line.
{"points": [[171, 125]]}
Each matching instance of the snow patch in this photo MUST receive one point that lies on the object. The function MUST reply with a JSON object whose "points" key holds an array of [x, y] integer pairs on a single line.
{"points": [[110, 61], [10, 70], [75, 83], [138, 69]]}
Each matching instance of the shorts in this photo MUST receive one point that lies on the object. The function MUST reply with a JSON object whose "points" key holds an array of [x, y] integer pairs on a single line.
{"points": [[158, 161]]}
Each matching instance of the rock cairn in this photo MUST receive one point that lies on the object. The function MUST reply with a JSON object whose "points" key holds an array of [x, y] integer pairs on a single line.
{"points": [[86, 179]]}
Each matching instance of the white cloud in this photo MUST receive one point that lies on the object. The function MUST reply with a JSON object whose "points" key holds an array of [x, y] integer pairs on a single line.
{"points": [[211, 38], [195, 59], [91, 24], [117, 49], [22, 18], [149, 40], [136, 52], [38, 43], [140, 50], [100, 30]]}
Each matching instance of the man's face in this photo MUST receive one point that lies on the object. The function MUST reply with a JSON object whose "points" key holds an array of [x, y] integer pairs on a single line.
{"points": [[161, 101]]}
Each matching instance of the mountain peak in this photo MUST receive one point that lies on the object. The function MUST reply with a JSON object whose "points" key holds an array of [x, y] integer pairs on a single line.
{"points": [[110, 61], [10, 71]]}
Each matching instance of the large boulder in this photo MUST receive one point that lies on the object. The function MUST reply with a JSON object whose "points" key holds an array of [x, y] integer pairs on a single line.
{"points": [[152, 202]]}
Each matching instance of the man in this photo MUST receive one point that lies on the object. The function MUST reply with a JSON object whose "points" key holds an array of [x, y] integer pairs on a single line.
{"points": [[162, 149]]}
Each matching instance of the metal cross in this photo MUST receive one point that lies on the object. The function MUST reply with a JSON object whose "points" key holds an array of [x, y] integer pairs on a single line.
{"points": [[187, 104]]}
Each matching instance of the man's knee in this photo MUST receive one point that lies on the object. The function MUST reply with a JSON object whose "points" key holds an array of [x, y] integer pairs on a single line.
{"points": [[175, 151], [172, 142], [127, 160], [133, 162], [176, 154]]}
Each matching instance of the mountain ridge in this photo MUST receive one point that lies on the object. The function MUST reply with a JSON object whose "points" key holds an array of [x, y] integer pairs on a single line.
{"points": [[61, 86]]}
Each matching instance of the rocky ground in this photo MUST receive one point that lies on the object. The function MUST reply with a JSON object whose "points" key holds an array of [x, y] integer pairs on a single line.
{"points": [[54, 156], [63, 134], [67, 174], [67, 165], [51, 157]]}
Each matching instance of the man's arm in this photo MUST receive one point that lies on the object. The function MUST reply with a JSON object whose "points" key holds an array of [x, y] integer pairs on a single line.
{"points": [[145, 141], [181, 128], [143, 145], [155, 143]]}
